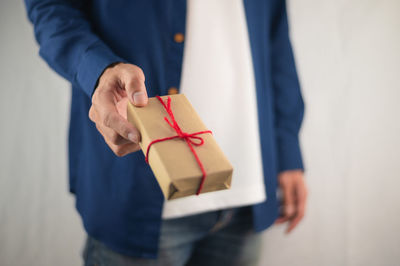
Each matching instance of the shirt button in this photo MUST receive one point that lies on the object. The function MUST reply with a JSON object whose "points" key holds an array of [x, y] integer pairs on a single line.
{"points": [[179, 37], [172, 90]]}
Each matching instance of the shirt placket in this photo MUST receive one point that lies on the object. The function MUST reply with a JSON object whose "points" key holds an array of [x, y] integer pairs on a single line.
{"points": [[175, 41]]}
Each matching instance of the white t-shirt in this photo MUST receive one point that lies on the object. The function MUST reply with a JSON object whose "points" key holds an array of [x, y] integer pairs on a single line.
{"points": [[218, 80]]}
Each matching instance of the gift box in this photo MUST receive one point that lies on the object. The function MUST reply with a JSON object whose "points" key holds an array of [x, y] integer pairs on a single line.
{"points": [[182, 153]]}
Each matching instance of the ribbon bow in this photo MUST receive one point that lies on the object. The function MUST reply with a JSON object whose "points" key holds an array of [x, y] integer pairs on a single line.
{"points": [[190, 138]]}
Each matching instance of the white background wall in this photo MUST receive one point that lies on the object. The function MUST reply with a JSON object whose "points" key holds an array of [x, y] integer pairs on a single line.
{"points": [[348, 56]]}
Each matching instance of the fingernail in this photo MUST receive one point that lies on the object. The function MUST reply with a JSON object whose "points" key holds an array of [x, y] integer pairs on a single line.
{"points": [[139, 98], [132, 137]]}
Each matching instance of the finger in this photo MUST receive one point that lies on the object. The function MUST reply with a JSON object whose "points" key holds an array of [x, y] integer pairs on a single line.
{"points": [[106, 109], [122, 127], [112, 136], [122, 150], [295, 221], [106, 132], [287, 196], [300, 208], [281, 220], [135, 87], [288, 200]]}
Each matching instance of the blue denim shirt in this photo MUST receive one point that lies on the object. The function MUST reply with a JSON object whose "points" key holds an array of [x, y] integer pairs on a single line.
{"points": [[118, 198]]}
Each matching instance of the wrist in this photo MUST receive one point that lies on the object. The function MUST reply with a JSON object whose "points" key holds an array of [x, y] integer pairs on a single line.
{"points": [[106, 69]]}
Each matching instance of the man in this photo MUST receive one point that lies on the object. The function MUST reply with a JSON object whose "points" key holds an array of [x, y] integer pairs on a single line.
{"points": [[233, 60]]}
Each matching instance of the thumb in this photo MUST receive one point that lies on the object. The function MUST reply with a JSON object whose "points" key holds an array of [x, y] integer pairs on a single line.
{"points": [[135, 87]]}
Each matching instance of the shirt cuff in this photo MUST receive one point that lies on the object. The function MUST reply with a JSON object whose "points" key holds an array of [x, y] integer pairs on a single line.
{"points": [[289, 155], [95, 60]]}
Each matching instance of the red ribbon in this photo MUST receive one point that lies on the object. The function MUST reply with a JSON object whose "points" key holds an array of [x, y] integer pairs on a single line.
{"points": [[189, 138]]}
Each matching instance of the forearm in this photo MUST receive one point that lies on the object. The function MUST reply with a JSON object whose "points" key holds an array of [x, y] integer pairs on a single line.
{"points": [[289, 105], [67, 42]]}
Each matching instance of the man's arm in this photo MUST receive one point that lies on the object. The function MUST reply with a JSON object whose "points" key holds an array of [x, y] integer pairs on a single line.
{"points": [[289, 106], [72, 49], [67, 42], [289, 109]]}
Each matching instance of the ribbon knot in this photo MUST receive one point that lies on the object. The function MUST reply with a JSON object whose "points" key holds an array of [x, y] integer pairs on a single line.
{"points": [[190, 138]]}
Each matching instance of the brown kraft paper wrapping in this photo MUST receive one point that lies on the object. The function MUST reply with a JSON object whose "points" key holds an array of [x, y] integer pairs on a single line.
{"points": [[172, 162]]}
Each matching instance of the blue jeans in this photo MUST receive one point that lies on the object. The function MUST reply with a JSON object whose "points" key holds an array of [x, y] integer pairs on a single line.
{"points": [[214, 238]]}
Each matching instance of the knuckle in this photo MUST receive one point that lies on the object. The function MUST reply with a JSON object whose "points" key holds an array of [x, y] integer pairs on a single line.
{"points": [[94, 96], [136, 74], [99, 91], [91, 114], [107, 120], [140, 74], [283, 179], [285, 184], [134, 81]]}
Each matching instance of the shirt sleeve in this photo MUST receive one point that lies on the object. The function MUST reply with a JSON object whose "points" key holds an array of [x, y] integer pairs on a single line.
{"points": [[67, 42], [289, 105]]}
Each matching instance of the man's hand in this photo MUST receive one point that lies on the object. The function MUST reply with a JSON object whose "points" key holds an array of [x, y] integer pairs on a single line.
{"points": [[294, 192], [118, 84]]}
